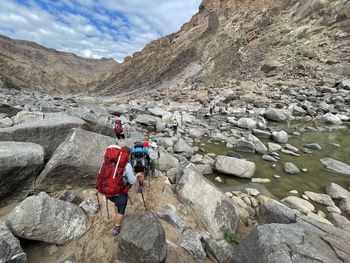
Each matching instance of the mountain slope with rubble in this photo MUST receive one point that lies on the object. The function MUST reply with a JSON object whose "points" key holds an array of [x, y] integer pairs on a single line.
{"points": [[289, 42]]}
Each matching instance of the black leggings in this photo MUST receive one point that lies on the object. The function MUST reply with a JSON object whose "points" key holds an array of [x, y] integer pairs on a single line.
{"points": [[120, 202]]}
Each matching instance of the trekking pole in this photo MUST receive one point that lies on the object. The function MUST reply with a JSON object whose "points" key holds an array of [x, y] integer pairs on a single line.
{"points": [[99, 204], [107, 207], [130, 200]]}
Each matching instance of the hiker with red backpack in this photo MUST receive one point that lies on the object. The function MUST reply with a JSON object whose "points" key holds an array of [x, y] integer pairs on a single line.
{"points": [[115, 179], [119, 129]]}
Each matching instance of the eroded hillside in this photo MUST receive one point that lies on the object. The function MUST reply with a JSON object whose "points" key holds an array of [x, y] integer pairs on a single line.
{"points": [[27, 65], [267, 41]]}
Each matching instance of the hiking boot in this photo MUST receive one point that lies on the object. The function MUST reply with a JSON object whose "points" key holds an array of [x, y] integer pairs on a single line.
{"points": [[116, 230]]}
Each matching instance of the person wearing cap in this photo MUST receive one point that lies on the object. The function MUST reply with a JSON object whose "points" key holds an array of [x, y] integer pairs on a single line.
{"points": [[153, 154]]}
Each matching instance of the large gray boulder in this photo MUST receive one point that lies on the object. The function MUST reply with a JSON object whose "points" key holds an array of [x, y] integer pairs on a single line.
{"points": [[47, 219], [335, 191], [336, 166], [49, 133], [304, 241], [76, 161], [10, 247], [213, 208], [20, 163], [167, 161], [329, 118], [94, 123], [142, 239], [238, 167], [148, 120], [276, 115], [118, 109], [168, 213], [275, 212], [301, 205]]}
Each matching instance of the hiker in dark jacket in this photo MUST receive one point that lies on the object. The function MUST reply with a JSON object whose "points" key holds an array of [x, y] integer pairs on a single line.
{"points": [[154, 155]]}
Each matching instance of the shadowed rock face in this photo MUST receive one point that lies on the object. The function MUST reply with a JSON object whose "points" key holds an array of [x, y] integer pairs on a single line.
{"points": [[25, 64]]}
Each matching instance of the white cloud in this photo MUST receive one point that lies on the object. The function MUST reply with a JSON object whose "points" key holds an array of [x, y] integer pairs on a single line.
{"points": [[95, 29]]}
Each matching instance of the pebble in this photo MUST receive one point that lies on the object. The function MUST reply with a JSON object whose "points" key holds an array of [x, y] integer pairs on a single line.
{"points": [[305, 197], [229, 194], [217, 178], [252, 191], [276, 176], [304, 170], [293, 191], [260, 180]]}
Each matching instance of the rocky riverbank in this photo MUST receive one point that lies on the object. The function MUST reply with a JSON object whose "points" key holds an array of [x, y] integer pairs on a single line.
{"points": [[51, 144]]}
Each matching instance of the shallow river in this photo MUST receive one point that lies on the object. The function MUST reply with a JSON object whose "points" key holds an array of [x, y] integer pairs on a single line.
{"points": [[315, 179]]}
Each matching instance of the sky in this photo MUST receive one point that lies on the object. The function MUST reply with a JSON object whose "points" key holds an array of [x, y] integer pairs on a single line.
{"points": [[94, 28]]}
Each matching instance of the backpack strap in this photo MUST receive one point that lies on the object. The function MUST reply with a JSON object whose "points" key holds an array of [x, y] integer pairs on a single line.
{"points": [[116, 167]]}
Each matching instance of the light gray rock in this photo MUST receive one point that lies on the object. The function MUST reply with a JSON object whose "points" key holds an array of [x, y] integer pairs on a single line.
{"points": [[168, 213], [313, 146], [10, 247], [119, 109], [167, 161], [299, 204], [322, 199], [208, 160], [6, 122], [280, 137], [47, 219], [274, 147], [290, 152], [9, 109], [72, 164], [337, 192], [339, 221], [142, 239], [20, 164], [269, 158], [304, 241], [262, 134], [52, 132], [336, 166], [276, 115], [214, 209], [196, 133], [291, 168], [345, 205], [197, 158], [329, 118], [90, 206], [344, 84], [246, 123], [70, 197], [204, 168], [190, 241], [291, 148], [244, 145], [275, 212], [26, 116], [234, 166], [260, 148], [182, 147], [220, 250], [159, 112], [147, 120]]}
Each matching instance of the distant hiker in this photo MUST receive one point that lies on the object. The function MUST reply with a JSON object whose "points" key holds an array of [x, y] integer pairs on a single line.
{"points": [[139, 158], [119, 129], [115, 179], [174, 126], [154, 155]]}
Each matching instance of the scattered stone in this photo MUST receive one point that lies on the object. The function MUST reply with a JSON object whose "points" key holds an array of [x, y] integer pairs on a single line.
{"points": [[291, 148], [280, 137], [345, 205], [333, 209], [10, 247], [337, 192], [276, 115], [90, 206], [336, 166], [6, 122], [318, 218], [290, 152], [322, 199], [262, 134], [307, 151], [304, 170], [269, 158], [204, 168], [313, 146], [299, 204], [273, 147], [167, 161], [276, 176], [191, 242], [291, 168], [246, 123], [70, 197], [218, 179], [234, 166], [329, 118], [220, 250], [168, 213], [260, 180], [243, 145], [293, 192], [252, 191]]}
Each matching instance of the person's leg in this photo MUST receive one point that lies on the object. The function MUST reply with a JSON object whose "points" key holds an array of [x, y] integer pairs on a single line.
{"points": [[120, 206], [122, 136], [118, 136]]}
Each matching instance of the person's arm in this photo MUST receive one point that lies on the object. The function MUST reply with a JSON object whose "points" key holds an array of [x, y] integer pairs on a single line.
{"points": [[130, 176]]}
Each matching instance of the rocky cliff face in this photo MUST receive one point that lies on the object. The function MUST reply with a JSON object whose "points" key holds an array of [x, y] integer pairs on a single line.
{"points": [[266, 41], [27, 65]]}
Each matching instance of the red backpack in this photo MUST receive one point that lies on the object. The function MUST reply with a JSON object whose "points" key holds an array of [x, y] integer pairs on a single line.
{"points": [[110, 178], [118, 127]]}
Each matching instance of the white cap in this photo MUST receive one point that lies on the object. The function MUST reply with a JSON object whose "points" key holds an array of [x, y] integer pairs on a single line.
{"points": [[153, 144]]}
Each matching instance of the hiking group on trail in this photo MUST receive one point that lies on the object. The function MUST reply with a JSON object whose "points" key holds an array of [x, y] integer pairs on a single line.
{"points": [[121, 169]]}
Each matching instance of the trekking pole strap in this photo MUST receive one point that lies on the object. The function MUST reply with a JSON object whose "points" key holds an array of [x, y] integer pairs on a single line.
{"points": [[116, 167]]}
